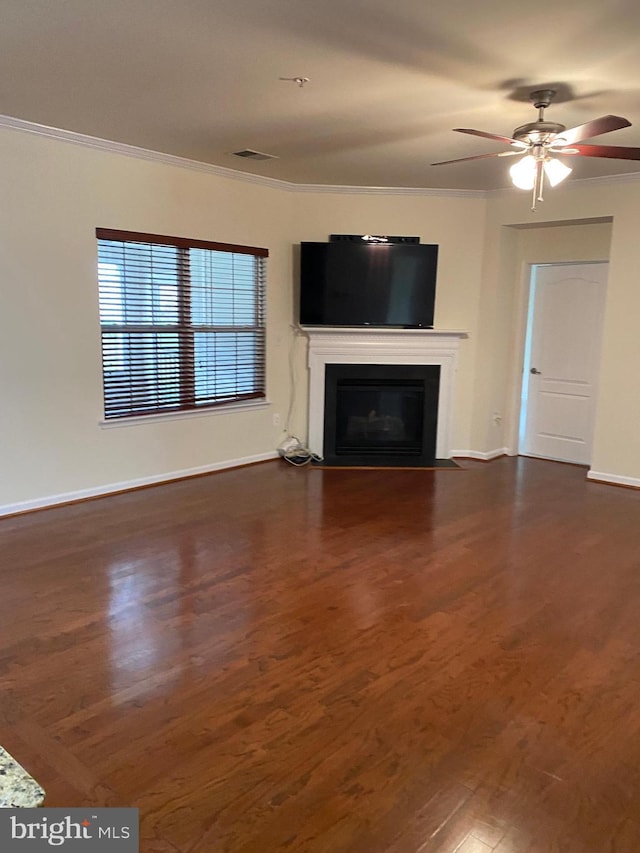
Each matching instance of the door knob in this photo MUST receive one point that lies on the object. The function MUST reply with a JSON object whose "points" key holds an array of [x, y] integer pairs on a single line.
{"points": [[535, 371]]}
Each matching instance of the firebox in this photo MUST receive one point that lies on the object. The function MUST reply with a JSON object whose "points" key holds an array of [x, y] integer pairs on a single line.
{"points": [[381, 414]]}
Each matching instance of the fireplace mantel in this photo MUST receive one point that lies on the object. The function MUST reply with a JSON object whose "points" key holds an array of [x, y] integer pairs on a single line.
{"points": [[339, 345]]}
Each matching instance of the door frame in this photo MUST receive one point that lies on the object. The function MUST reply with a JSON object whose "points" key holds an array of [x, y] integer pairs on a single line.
{"points": [[522, 336]]}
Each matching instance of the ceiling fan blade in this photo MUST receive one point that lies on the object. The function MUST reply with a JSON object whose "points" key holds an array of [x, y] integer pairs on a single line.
{"points": [[508, 139], [604, 124], [479, 157], [616, 152]]}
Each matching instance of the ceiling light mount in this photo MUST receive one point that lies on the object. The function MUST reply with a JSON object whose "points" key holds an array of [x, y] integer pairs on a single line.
{"points": [[541, 98], [300, 81]]}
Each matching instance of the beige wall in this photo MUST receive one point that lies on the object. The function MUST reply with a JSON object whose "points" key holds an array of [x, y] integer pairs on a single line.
{"points": [[54, 196], [456, 224], [56, 193]]}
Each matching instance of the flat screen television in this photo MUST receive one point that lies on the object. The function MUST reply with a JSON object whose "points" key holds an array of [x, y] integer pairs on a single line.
{"points": [[368, 284]]}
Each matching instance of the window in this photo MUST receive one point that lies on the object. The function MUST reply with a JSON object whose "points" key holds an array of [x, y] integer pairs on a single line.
{"points": [[182, 323]]}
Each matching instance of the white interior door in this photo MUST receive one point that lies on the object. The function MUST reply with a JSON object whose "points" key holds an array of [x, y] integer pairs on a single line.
{"points": [[566, 308]]}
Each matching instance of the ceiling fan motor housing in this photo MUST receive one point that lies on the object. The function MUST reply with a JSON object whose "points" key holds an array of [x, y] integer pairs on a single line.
{"points": [[538, 131]]}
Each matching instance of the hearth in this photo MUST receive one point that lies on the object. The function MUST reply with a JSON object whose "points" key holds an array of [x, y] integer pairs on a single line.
{"points": [[381, 414]]}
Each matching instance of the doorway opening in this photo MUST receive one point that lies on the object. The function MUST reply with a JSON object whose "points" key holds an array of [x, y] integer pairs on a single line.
{"points": [[561, 360]]}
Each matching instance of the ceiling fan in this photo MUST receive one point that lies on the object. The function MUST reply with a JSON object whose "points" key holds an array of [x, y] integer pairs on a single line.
{"points": [[539, 142]]}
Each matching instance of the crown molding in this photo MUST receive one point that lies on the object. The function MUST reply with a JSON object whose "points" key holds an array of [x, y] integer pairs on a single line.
{"points": [[147, 154], [134, 151], [419, 191], [139, 153], [603, 180]]}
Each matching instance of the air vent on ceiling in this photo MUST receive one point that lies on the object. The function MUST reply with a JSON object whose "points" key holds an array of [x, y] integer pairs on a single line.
{"points": [[248, 154]]}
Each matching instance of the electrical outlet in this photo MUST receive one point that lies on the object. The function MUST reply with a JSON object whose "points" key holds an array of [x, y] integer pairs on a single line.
{"points": [[276, 419]]}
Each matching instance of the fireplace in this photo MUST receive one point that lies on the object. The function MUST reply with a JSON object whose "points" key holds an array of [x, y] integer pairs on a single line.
{"points": [[380, 414], [385, 401]]}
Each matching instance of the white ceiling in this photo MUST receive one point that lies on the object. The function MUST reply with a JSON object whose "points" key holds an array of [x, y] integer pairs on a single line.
{"points": [[388, 80]]}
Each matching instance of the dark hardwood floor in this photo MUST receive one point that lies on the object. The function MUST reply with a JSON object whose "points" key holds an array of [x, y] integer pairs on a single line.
{"points": [[335, 661]]}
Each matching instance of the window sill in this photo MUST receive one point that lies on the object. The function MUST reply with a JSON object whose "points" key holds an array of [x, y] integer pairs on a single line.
{"points": [[228, 409]]}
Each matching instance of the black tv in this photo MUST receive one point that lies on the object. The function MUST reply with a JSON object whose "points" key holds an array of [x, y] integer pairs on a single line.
{"points": [[368, 284]]}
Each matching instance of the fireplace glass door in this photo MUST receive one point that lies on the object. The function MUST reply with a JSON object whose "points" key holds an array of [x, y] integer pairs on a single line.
{"points": [[374, 417], [380, 414]]}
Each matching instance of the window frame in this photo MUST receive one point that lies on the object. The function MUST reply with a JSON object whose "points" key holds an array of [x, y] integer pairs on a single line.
{"points": [[184, 331]]}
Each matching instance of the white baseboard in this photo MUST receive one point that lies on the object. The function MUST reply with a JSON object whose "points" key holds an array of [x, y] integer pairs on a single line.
{"points": [[614, 479], [126, 485], [484, 457]]}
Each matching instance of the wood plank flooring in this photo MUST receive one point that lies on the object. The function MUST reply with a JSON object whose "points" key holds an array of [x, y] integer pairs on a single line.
{"points": [[280, 660]]}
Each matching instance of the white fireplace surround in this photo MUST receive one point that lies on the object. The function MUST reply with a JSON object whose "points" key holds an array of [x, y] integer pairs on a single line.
{"points": [[329, 345]]}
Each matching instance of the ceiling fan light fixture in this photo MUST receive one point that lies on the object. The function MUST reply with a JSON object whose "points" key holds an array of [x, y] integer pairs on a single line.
{"points": [[556, 171], [543, 140], [523, 173]]}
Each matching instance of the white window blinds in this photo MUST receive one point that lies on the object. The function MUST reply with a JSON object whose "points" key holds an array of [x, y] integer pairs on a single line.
{"points": [[182, 321]]}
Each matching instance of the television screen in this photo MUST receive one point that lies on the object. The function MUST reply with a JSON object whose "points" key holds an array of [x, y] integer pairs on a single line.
{"points": [[367, 284]]}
